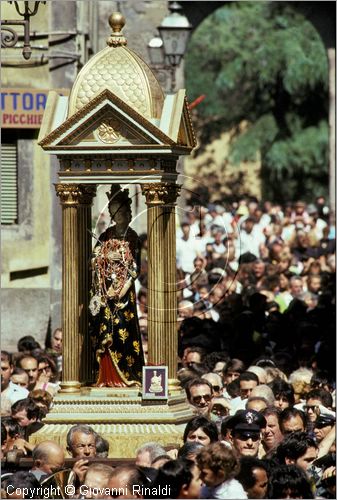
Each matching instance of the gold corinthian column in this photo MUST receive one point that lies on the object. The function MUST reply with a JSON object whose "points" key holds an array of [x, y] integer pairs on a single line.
{"points": [[162, 290], [76, 203]]}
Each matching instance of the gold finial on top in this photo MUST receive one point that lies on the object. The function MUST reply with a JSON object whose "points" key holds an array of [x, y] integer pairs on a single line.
{"points": [[117, 22]]}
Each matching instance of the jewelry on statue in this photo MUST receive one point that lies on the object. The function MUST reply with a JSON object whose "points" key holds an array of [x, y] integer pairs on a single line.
{"points": [[112, 265], [95, 304]]}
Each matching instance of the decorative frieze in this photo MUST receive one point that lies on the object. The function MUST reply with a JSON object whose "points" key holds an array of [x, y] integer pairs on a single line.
{"points": [[126, 164]]}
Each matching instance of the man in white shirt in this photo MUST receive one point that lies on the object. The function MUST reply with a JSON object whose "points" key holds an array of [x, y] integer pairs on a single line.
{"points": [[247, 381], [250, 238], [316, 224], [9, 391], [186, 250]]}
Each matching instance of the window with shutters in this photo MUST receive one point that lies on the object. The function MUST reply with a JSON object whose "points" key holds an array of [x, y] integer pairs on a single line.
{"points": [[9, 183]]}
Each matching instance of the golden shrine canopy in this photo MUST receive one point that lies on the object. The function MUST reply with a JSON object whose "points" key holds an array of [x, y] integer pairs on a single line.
{"points": [[117, 123], [121, 71]]}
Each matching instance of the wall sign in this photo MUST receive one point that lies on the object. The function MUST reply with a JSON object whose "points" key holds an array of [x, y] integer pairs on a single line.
{"points": [[24, 108]]}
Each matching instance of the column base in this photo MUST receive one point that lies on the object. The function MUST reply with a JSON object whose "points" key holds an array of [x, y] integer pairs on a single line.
{"points": [[70, 387]]}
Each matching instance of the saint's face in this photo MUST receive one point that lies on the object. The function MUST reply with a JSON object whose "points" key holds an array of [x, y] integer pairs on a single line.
{"points": [[121, 216]]}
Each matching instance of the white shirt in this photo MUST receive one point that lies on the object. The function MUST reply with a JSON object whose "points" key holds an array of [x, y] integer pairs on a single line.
{"points": [[186, 253], [224, 221], [14, 393], [323, 410], [229, 489], [237, 404], [249, 242], [318, 229]]}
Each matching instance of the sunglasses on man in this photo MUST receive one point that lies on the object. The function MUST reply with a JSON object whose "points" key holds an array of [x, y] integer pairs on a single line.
{"points": [[197, 399], [244, 436], [314, 408]]}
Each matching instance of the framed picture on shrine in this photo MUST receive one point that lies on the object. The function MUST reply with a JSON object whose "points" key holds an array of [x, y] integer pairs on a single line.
{"points": [[155, 382]]}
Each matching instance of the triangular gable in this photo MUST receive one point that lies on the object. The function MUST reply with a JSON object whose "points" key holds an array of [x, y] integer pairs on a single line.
{"points": [[107, 125], [87, 118], [186, 134], [176, 120], [55, 113]]}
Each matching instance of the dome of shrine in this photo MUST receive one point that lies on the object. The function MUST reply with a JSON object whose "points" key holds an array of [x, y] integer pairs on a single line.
{"points": [[121, 71]]}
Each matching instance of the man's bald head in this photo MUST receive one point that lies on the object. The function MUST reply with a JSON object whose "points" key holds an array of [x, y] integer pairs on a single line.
{"points": [[97, 477], [48, 456], [126, 481]]}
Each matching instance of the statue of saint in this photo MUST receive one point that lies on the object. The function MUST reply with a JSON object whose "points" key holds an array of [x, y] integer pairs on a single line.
{"points": [[155, 383], [113, 323]]}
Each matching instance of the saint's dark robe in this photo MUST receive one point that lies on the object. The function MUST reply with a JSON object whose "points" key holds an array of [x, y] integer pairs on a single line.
{"points": [[113, 323]]}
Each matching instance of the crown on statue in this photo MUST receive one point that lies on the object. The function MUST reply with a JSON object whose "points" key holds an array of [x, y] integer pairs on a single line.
{"points": [[118, 197]]}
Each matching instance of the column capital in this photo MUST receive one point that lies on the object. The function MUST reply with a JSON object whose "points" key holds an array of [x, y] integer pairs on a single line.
{"points": [[75, 194], [162, 193], [173, 191]]}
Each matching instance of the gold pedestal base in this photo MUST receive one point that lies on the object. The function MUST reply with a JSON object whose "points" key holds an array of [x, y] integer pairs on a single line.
{"points": [[70, 387], [118, 415]]}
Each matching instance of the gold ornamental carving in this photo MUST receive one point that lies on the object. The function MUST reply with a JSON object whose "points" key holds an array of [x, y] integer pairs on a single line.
{"points": [[154, 193], [87, 194], [75, 194], [109, 131], [131, 109], [117, 23], [165, 193]]}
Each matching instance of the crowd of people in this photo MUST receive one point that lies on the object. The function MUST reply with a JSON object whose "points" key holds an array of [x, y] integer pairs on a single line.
{"points": [[256, 337]]}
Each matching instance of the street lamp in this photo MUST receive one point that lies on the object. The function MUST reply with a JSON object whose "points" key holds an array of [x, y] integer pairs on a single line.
{"points": [[9, 36], [156, 51], [169, 49], [175, 31]]}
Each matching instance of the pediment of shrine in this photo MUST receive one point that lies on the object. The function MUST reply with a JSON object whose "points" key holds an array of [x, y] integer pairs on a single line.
{"points": [[108, 125]]}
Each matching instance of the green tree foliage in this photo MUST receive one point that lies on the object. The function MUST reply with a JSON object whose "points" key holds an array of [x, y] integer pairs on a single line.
{"points": [[264, 63]]}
